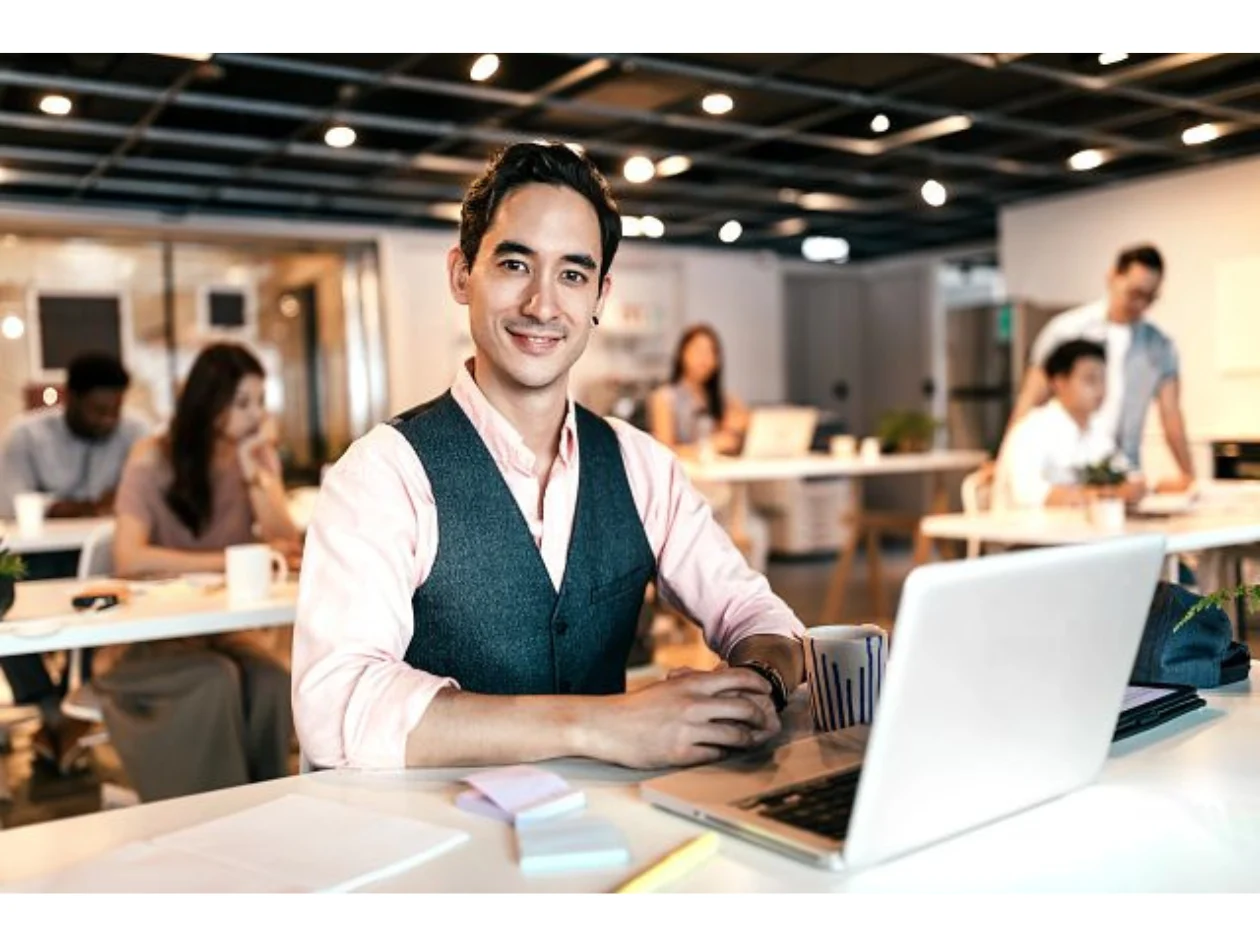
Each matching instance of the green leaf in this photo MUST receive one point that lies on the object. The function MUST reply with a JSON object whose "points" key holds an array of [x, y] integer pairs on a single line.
{"points": [[1218, 599]]}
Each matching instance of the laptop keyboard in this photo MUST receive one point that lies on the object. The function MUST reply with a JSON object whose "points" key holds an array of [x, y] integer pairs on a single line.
{"points": [[822, 805]]}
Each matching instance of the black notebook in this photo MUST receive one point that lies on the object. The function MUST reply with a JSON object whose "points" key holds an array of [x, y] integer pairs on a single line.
{"points": [[1147, 705]]}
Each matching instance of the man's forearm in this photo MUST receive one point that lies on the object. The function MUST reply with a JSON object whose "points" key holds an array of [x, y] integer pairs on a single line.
{"points": [[783, 653], [460, 729], [1180, 447]]}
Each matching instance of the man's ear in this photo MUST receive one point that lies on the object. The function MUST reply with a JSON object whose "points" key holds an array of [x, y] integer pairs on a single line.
{"points": [[457, 272]]}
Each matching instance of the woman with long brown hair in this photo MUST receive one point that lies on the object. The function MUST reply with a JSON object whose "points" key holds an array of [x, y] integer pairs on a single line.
{"points": [[695, 407], [203, 713]]}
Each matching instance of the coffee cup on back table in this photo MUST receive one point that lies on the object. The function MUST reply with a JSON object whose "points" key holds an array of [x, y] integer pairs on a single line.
{"points": [[29, 510], [845, 665], [251, 571]]}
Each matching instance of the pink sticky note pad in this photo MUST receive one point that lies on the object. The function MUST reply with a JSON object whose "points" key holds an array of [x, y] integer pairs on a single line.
{"points": [[519, 794]]}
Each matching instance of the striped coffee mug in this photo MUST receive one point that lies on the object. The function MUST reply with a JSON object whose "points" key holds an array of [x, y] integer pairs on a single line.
{"points": [[845, 665]]}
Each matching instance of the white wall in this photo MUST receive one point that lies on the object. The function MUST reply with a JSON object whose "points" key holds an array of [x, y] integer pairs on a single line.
{"points": [[1060, 249], [740, 294]]}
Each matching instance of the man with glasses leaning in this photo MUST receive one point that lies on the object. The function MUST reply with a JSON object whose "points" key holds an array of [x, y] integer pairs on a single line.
{"points": [[1142, 362]]}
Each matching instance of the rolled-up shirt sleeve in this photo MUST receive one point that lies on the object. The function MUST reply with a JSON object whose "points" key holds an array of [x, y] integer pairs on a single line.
{"points": [[371, 542], [699, 569]]}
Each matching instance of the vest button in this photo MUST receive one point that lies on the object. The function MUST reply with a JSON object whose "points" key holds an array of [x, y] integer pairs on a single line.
{"points": [[566, 686], [561, 628]]}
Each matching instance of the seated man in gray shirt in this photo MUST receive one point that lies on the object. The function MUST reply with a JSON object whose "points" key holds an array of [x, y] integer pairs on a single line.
{"points": [[75, 455]]}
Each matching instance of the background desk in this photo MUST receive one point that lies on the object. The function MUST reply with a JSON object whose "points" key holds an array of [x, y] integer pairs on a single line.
{"points": [[56, 535], [739, 473], [147, 617], [1176, 809]]}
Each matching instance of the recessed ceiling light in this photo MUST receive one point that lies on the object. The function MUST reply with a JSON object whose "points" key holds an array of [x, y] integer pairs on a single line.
{"points": [[12, 327], [731, 231], [50, 397], [1086, 160], [638, 169], [792, 226], [484, 67], [631, 227], [934, 193], [674, 164], [1110, 59], [447, 210], [55, 105], [823, 249], [820, 201], [340, 136], [1200, 134], [880, 124], [717, 103], [652, 227]]}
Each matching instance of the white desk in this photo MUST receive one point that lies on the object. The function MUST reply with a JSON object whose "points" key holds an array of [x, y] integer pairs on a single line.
{"points": [[56, 535], [1176, 809], [739, 472], [1227, 515], [818, 465], [43, 619]]}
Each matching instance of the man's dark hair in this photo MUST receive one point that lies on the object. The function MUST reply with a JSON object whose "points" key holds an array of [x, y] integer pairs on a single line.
{"points": [[531, 163], [1144, 255], [91, 371], [1064, 358]]}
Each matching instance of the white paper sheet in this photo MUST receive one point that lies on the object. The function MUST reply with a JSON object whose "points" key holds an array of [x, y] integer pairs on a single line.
{"points": [[294, 843]]}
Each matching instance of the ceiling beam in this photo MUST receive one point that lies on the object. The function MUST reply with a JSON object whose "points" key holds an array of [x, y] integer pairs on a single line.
{"points": [[801, 174], [1103, 85], [877, 101]]}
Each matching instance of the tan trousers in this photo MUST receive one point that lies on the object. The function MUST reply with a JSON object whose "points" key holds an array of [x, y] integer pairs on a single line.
{"points": [[198, 714]]}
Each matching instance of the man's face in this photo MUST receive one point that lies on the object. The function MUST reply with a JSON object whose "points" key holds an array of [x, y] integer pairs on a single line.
{"points": [[534, 287], [1082, 392], [1132, 292], [94, 415]]}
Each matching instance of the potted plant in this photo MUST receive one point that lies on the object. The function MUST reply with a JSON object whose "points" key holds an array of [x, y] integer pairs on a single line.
{"points": [[907, 431], [1104, 502], [12, 569], [1218, 599]]}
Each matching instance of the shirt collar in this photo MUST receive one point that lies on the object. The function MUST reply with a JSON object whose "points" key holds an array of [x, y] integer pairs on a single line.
{"points": [[504, 441]]}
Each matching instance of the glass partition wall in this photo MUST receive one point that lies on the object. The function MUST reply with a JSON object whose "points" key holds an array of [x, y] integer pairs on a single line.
{"points": [[310, 312]]}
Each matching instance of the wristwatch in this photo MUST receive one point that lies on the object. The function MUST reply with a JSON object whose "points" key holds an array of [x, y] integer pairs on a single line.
{"points": [[778, 689]]}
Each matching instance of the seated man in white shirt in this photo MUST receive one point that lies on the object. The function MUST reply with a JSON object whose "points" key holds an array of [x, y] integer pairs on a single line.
{"points": [[1042, 456]]}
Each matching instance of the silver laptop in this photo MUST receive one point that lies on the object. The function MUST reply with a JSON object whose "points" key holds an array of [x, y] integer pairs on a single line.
{"points": [[1004, 685], [776, 433]]}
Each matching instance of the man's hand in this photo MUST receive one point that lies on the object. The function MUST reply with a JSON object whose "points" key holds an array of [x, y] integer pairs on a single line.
{"points": [[1181, 483], [691, 718], [1134, 490], [72, 509]]}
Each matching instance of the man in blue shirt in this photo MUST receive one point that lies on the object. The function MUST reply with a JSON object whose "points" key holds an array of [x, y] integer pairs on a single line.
{"points": [[75, 455]]}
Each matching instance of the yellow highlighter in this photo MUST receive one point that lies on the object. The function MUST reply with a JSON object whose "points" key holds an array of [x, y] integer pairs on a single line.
{"points": [[673, 866]]}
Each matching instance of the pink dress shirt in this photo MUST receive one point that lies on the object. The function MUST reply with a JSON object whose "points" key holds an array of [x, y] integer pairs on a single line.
{"points": [[373, 540]]}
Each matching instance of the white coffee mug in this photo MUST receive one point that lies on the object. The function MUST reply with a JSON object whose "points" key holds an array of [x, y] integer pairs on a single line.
{"points": [[29, 509], [844, 447], [251, 570], [845, 665], [870, 448]]}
